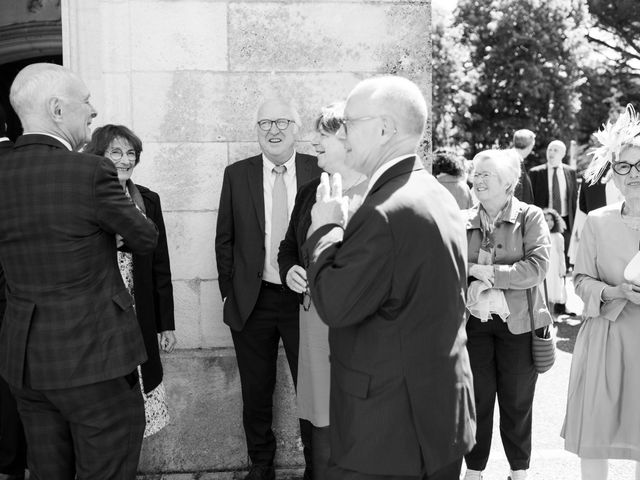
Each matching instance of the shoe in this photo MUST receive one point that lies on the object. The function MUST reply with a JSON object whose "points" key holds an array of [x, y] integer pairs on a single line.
{"points": [[561, 309], [261, 472], [308, 473], [517, 475], [473, 475], [18, 476]]}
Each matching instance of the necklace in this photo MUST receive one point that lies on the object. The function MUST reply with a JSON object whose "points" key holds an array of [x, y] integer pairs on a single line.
{"points": [[630, 221]]}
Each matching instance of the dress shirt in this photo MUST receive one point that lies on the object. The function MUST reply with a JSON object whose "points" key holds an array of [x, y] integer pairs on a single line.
{"points": [[61, 140], [4, 139], [270, 274], [562, 182], [383, 168]]}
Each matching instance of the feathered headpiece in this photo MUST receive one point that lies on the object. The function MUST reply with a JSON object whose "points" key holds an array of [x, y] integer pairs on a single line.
{"points": [[612, 137]]}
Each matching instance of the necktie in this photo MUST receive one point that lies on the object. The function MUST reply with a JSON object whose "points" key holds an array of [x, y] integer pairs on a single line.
{"points": [[279, 213], [556, 203]]}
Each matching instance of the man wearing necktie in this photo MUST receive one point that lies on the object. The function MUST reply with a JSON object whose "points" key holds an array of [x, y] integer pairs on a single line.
{"points": [[257, 198], [555, 186]]}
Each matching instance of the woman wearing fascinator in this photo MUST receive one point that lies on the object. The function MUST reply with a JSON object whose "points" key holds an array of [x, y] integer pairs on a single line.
{"points": [[313, 357], [603, 406]]}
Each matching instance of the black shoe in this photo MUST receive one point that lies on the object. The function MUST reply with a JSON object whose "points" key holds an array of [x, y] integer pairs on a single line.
{"points": [[261, 472], [308, 473]]}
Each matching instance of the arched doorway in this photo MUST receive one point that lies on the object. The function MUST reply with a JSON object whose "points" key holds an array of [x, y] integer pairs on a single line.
{"points": [[30, 36]]}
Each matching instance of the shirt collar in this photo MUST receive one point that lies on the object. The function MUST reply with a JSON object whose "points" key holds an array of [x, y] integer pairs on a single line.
{"points": [[290, 164], [509, 214], [383, 168], [4, 139], [61, 140]]}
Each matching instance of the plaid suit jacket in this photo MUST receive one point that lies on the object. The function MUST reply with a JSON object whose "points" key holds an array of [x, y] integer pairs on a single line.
{"points": [[69, 319]]}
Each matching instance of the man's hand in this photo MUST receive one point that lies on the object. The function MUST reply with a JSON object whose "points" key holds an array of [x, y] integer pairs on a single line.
{"points": [[484, 273], [297, 279], [330, 207], [167, 341]]}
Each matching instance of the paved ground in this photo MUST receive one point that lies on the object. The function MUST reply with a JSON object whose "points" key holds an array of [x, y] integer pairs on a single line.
{"points": [[549, 460]]}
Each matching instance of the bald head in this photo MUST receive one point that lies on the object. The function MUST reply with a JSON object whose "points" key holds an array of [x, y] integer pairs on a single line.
{"points": [[398, 98], [49, 98]]}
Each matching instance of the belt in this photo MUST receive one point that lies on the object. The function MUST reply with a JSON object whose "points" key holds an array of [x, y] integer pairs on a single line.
{"points": [[273, 286]]}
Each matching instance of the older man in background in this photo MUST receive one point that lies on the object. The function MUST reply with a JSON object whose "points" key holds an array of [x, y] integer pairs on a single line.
{"points": [[523, 143], [257, 198], [390, 284], [70, 342]]}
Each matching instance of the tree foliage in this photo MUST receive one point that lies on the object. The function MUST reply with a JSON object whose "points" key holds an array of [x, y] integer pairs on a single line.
{"points": [[620, 19], [525, 55]]}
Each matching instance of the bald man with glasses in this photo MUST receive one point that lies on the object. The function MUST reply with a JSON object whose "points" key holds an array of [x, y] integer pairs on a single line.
{"points": [[256, 201]]}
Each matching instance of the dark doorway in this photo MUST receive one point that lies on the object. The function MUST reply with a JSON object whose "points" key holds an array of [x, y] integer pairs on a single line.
{"points": [[8, 72]]}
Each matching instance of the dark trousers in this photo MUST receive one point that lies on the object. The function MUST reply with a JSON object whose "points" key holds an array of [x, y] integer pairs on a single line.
{"points": [[567, 239], [502, 365], [274, 317], [450, 472], [320, 451], [90, 432], [13, 446]]}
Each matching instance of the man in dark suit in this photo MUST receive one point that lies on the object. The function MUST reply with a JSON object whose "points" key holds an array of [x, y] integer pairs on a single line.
{"points": [[257, 198], [13, 446], [70, 342], [523, 143], [555, 185], [391, 288]]}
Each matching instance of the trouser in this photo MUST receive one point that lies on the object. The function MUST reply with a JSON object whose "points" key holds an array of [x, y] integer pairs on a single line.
{"points": [[320, 451], [449, 472], [13, 446], [502, 365], [274, 317], [90, 432], [567, 239]]}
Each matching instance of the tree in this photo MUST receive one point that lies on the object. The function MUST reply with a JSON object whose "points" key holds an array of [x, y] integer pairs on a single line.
{"points": [[528, 73], [452, 78], [620, 20]]}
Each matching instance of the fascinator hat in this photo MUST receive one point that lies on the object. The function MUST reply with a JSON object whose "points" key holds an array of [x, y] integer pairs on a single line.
{"points": [[612, 137]]}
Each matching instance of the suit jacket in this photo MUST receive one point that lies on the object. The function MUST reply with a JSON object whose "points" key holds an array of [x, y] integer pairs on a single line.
{"points": [[69, 318], [524, 190], [153, 292], [5, 147], [290, 252], [240, 251], [391, 287], [540, 184]]}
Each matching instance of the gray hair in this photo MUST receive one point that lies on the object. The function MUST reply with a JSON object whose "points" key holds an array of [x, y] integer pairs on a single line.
{"points": [[401, 96], [295, 116], [35, 84], [507, 163]]}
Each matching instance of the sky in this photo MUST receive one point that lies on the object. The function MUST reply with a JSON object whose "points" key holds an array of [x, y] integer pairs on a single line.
{"points": [[447, 5]]}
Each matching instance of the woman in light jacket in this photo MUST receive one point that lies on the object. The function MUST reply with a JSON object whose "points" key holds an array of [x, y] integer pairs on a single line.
{"points": [[503, 265]]}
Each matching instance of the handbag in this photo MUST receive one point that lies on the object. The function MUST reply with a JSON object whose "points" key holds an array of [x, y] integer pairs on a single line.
{"points": [[543, 349]]}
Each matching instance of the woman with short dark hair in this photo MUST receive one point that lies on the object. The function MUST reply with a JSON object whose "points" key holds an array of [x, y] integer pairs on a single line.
{"points": [[147, 277]]}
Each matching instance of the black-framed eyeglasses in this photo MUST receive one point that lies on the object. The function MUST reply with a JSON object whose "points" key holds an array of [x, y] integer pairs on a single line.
{"points": [[348, 121], [281, 124], [117, 154], [624, 168], [306, 300]]}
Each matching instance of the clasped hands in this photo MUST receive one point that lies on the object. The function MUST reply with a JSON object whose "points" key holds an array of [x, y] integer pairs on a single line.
{"points": [[484, 273], [331, 206]]}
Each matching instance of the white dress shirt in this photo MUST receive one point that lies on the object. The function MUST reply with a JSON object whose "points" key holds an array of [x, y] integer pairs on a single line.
{"points": [[562, 182], [271, 274]]}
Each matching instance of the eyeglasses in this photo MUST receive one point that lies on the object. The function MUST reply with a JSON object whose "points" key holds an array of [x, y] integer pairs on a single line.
{"points": [[117, 154], [484, 175], [306, 300], [347, 121], [624, 168], [281, 124]]}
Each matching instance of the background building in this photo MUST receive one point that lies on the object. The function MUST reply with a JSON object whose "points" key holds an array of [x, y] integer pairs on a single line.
{"points": [[187, 77]]}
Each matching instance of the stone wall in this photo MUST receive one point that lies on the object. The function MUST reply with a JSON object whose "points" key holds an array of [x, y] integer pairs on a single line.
{"points": [[187, 76]]}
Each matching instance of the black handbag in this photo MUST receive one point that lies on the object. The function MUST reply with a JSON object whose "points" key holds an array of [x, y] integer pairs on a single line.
{"points": [[543, 349]]}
